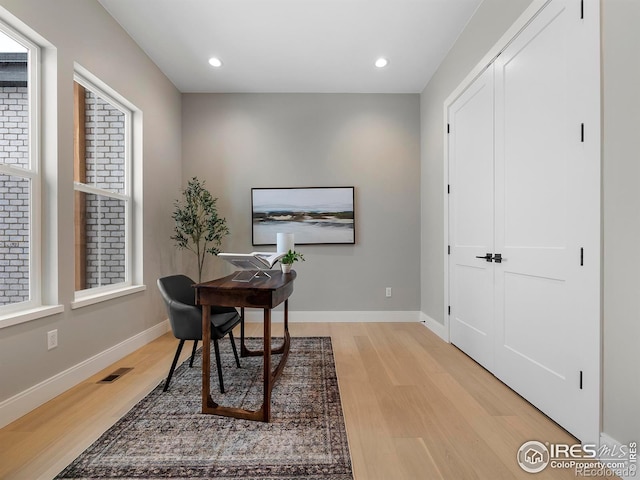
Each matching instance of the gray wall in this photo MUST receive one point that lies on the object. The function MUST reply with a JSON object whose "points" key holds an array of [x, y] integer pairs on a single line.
{"points": [[83, 32], [621, 193], [239, 141]]}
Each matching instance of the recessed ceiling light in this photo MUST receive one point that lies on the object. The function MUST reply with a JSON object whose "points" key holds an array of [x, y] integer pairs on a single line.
{"points": [[382, 62], [215, 62]]}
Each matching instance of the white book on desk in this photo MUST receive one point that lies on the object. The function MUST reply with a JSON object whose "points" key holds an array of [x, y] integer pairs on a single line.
{"points": [[254, 260]]}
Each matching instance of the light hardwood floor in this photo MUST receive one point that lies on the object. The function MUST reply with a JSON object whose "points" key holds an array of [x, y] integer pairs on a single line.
{"points": [[415, 407]]}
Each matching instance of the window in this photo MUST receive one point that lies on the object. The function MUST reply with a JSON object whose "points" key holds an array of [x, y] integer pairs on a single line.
{"points": [[20, 287], [102, 183]]}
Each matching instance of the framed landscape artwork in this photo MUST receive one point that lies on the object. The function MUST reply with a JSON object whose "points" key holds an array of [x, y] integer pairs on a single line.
{"points": [[315, 215]]}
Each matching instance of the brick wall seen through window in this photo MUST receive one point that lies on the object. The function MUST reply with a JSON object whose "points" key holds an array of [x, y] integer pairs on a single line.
{"points": [[101, 200], [16, 176]]}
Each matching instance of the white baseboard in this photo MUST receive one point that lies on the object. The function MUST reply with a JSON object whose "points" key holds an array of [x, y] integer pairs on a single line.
{"points": [[15, 407], [436, 327], [615, 445], [277, 315]]}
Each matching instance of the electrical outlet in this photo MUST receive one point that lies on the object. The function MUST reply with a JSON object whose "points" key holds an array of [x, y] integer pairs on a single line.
{"points": [[52, 339], [388, 292]]}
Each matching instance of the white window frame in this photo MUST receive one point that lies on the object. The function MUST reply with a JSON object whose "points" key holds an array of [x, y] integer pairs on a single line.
{"points": [[93, 295], [33, 174]]}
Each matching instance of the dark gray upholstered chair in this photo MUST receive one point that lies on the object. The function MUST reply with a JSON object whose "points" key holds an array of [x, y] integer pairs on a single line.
{"points": [[186, 320]]}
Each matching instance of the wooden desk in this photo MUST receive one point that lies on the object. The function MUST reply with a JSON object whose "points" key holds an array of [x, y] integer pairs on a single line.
{"points": [[261, 292]]}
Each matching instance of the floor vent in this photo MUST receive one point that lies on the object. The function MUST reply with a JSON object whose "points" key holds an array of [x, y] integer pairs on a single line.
{"points": [[112, 377]]}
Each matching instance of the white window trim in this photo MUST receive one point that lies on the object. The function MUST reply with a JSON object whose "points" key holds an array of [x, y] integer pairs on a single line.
{"points": [[27, 315], [13, 314], [95, 295]]}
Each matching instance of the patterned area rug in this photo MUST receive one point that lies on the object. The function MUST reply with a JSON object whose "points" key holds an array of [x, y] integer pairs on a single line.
{"points": [[165, 436]]}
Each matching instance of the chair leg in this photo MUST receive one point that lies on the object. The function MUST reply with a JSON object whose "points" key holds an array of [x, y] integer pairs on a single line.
{"points": [[235, 351], [193, 352], [217, 351], [173, 365]]}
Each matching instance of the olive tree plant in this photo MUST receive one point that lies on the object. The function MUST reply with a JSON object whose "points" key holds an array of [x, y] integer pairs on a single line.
{"points": [[198, 227]]}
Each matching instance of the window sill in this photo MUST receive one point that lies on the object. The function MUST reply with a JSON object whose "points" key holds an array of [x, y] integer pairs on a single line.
{"points": [[23, 316], [104, 296]]}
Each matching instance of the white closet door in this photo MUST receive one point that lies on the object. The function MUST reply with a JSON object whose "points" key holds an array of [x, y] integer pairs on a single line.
{"points": [[471, 226], [544, 187]]}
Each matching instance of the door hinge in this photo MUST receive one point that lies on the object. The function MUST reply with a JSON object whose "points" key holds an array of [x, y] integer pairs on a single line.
{"points": [[582, 132], [581, 9], [449, 310], [448, 188], [580, 379], [581, 257], [448, 249], [448, 128]]}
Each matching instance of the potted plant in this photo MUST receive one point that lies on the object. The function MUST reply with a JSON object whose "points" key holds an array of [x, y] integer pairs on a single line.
{"points": [[198, 226], [288, 259]]}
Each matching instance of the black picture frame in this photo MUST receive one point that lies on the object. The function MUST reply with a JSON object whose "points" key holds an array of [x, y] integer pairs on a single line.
{"points": [[315, 215]]}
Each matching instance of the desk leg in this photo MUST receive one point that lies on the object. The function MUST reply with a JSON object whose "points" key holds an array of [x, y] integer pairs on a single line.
{"points": [[244, 352], [284, 348], [247, 352], [207, 401], [266, 402], [264, 413]]}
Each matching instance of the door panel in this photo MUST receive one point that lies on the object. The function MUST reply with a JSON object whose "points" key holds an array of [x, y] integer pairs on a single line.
{"points": [[537, 153], [471, 228], [531, 317]]}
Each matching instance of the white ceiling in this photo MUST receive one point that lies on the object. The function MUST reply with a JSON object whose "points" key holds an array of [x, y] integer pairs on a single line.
{"points": [[295, 45]]}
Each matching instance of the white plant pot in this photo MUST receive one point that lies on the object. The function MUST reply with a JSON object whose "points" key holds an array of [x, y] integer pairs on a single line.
{"points": [[286, 267]]}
